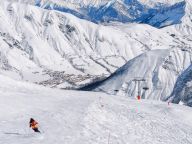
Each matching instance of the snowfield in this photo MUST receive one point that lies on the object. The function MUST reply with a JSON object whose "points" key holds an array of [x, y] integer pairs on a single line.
{"points": [[74, 117]]}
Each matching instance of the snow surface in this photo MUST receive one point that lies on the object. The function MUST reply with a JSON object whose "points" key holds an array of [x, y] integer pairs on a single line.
{"points": [[74, 117]]}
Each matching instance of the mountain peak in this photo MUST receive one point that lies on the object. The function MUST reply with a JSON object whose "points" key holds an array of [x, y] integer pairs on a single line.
{"points": [[158, 13]]}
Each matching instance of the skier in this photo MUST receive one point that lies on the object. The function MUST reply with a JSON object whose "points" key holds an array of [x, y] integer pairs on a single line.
{"points": [[34, 125]]}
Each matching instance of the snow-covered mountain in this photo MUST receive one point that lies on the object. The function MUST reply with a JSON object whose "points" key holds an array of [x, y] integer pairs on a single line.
{"points": [[183, 88], [56, 49], [159, 68], [156, 13], [73, 117]]}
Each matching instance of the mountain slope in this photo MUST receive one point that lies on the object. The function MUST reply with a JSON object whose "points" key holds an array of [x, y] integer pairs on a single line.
{"points": [[71, 117], [59, 50], [183, 89], [159, 69], [63, 51], [158, 13], [160, 75]]}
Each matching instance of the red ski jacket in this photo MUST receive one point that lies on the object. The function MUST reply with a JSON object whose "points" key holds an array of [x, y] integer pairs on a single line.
{"points": [[34, 124]]}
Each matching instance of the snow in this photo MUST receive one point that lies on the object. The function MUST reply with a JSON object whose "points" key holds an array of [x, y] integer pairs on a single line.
{"points": [[72, 117]]}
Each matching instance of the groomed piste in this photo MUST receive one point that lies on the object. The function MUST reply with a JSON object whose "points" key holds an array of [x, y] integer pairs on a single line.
{"points": [[71, 117]]}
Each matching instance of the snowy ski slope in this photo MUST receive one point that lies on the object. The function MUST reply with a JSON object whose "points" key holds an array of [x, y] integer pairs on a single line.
{"points": [[71, 117]]}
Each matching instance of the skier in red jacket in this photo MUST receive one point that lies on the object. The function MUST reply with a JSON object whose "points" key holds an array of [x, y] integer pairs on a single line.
{"points": [[34, 125]]}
